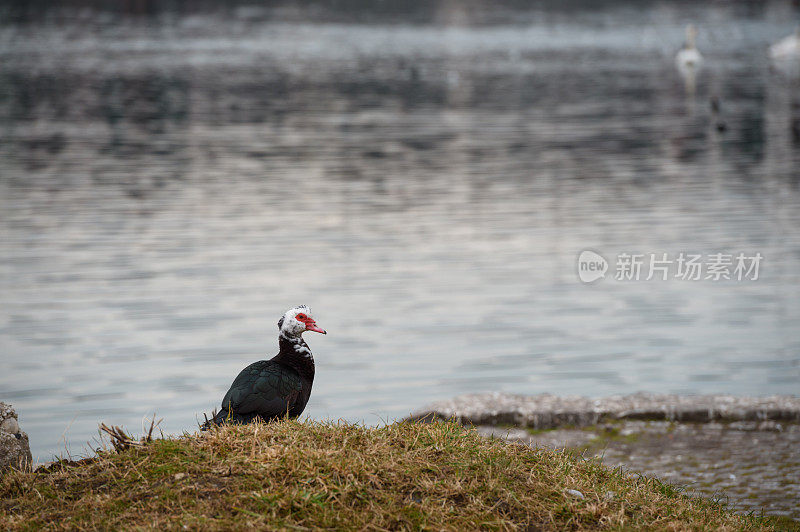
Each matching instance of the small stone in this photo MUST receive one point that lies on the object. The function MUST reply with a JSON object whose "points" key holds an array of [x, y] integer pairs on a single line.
{"points": [[575, 493], [179, 476], [609, 495], [771, 426], [10, 425]]}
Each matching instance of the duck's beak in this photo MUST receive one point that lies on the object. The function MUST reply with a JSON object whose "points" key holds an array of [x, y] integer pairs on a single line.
{"points": [[311, 325]]}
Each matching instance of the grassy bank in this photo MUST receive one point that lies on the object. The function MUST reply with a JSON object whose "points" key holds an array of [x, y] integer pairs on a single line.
{"points": [[325, 475]]}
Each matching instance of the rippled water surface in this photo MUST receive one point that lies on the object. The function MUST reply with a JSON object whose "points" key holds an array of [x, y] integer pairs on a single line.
{"points": [[171, 182]]}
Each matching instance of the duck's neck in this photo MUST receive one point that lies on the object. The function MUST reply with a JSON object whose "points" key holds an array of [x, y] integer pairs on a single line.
{"points": [[294, 352], [691, 36]]}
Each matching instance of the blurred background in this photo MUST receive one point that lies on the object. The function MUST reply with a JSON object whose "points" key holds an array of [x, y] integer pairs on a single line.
{"points": [[175, 175]]}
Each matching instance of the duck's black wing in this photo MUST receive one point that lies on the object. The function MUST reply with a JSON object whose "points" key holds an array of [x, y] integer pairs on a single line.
{"points": [[264, 389]]}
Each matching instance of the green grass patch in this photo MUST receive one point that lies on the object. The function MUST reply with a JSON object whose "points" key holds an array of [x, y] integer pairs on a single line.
{"points": [[321, 475]]}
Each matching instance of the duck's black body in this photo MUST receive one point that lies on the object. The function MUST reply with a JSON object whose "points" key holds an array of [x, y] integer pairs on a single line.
{"points": [[270, 389]]}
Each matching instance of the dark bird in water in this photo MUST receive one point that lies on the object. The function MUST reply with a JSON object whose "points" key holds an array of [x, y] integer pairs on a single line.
{"points": [[275, 388], [715, 109], [714, 105]]}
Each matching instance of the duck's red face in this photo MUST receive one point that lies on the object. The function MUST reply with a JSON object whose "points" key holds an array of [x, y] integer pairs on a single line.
{"points": [[309, 322]]}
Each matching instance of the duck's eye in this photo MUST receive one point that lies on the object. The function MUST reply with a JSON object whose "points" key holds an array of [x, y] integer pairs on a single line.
{"points": [[301, 317]]}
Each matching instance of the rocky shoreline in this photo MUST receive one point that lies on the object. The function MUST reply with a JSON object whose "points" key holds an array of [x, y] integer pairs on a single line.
{"points": [[550, 411], [15, 450], [742, 449]]}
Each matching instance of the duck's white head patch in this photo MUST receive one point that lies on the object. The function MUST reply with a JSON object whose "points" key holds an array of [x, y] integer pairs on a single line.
{"points": [[296, 321]]}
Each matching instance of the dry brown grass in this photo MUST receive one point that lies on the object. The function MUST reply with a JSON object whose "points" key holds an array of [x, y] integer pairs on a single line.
{"points": [[309, 475]]}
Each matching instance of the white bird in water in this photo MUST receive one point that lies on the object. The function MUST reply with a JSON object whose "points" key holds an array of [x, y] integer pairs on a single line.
{"points": [[787, 48], [688, 57], [689, 60]]}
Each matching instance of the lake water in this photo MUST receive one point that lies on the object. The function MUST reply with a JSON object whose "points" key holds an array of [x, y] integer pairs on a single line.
{"points": [[171, 182]]}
